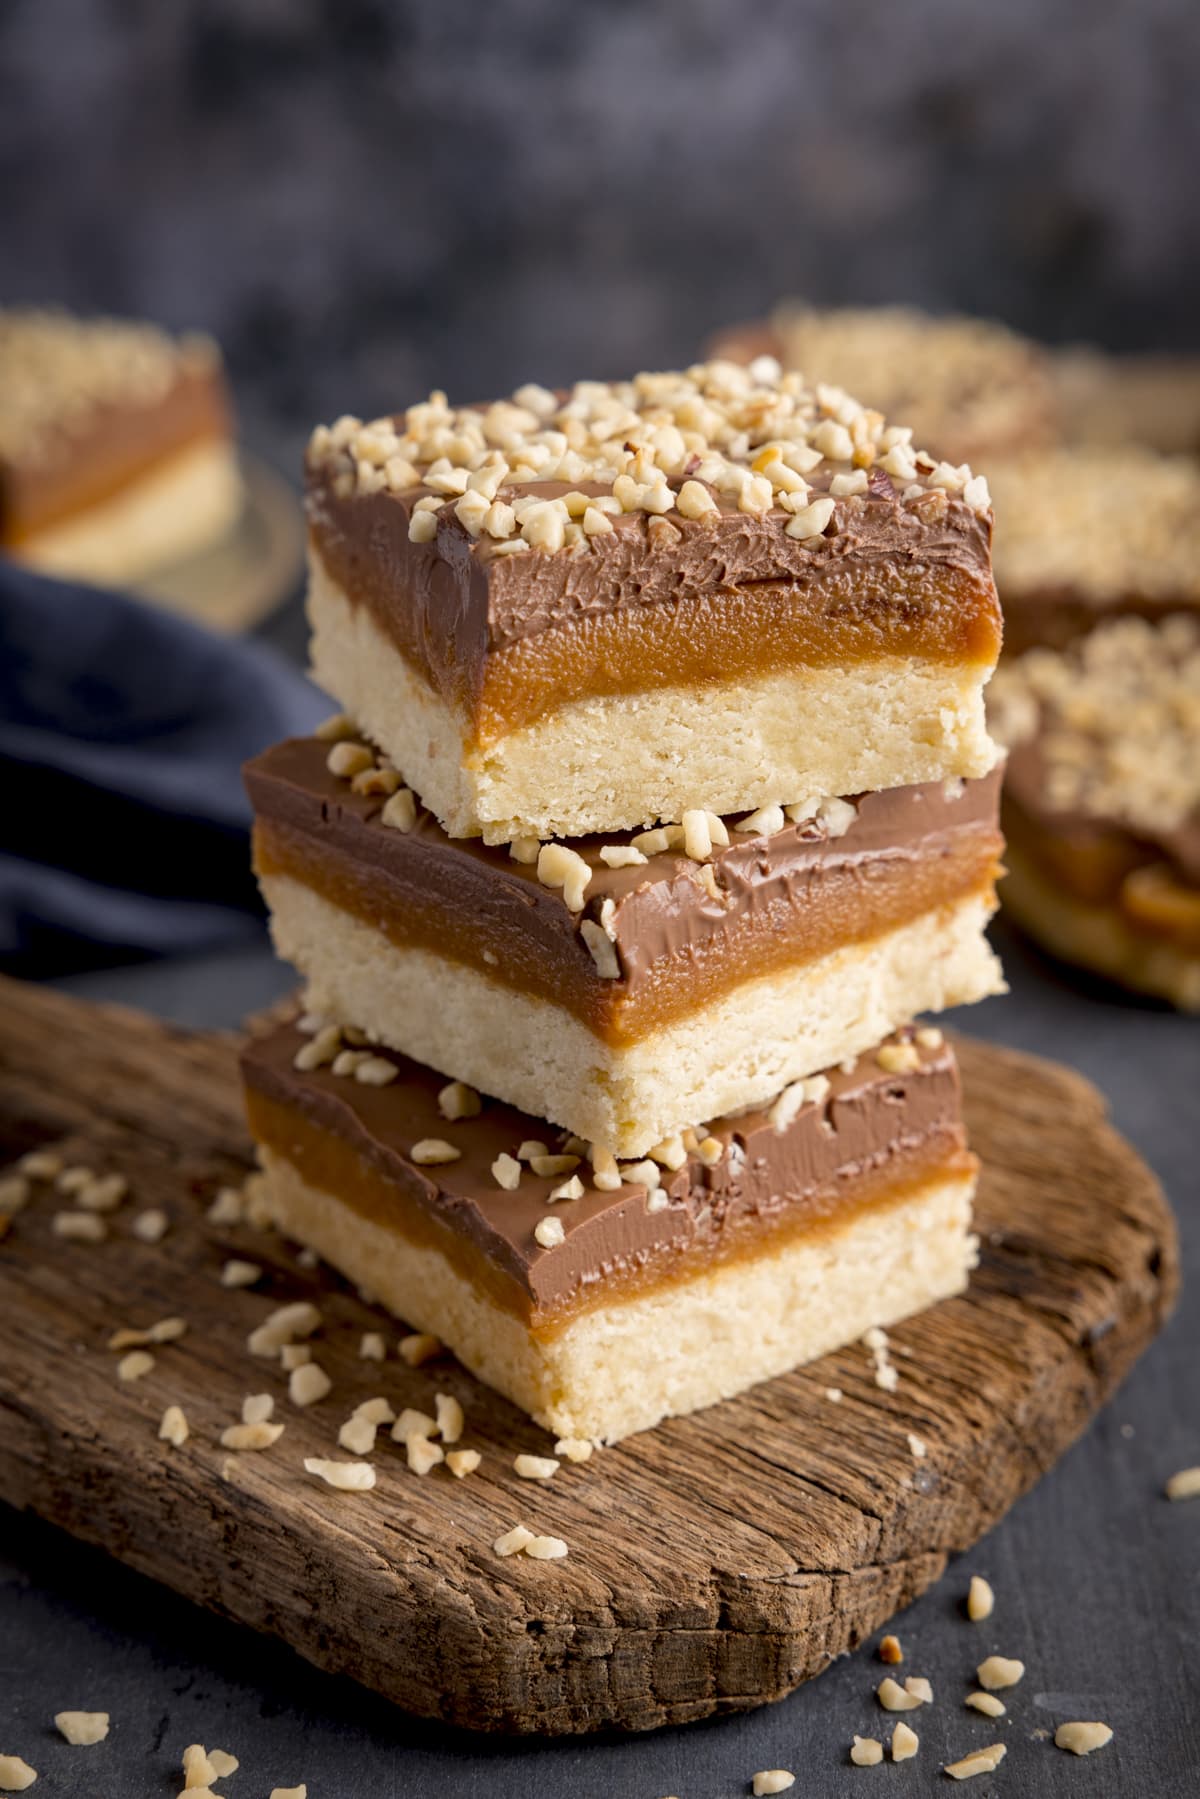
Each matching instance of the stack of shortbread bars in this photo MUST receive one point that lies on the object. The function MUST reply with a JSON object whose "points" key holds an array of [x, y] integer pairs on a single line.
{"points": [[661, 805]]}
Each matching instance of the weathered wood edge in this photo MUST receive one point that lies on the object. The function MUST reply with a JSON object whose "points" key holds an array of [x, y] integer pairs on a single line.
{"points": [[626, 1634]]}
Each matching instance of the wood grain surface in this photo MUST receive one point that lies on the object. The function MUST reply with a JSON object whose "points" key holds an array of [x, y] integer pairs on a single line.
{"points": [[714, 1563]]}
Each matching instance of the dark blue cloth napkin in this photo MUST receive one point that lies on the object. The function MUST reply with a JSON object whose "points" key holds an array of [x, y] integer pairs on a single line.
{"points": [[123, 824]]}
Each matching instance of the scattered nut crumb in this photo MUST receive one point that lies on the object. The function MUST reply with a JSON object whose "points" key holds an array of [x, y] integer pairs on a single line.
{"points": [[898, 1058], [151, 1226], [449, 1417], [371, 1347], [918, 1688], [546, 1549], [536, 1467], [223, 1763], [423, 1454], [308, 1384], [412, 1423], [980, 1761], [917, 1447], [987, 1703], [198, 1771], [980, 1599], [432, 1152], [82, 1727], [905, 1743], [135, 1365], [514, 1541], [257, 1408], [73, 1178], [419, 1348], [457, 1100], [866, 1752], [347, 1477], [294, 1355], [506, 1172], [575, 1449], [174, 1427], [40, 1165], [1081, 1739], [895, 1698], [548, 1232], [999, 1671], [929, 1037], [104, 1194], [235, 1273], [227, 1207], [79, 1227], [251, 1436], [890, 1650], [773, 1780], [300, 1792], [1184, 1485], [462, 1461], [14, 1194], [282, 1326], [834, 1395]]}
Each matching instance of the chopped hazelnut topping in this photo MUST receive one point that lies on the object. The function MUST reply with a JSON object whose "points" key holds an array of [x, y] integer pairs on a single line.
{"points": [[834, 1395], [151, 1226], [575, 1449], [898, 1058], [462, 1462], [558, 866], [905, 1743], [82, 1728], [987, 1703], [800, 1093], [336, 728], [174, 1427], [79, 1227], [999, 1671], [618, 855], [772, 1780], [400, 812], [535, 1467], [422, 1454], [568, 1189], [1081, 1738], [506, 1172], [449, 1417], [890, 1650], [40, 1165], [929, 1037], [525, 850], [548, 1232], [670, 1153], [866, 1752], [917, 1447], [135, 1366], [14, 1194], [227, 1207], [530, 1148], [285, 1325], [980, 1761], [547, 1165], [371, 1347], [546, 1549], [73, 1178], [1184, 1485], [642, 1174], [376, 1071], [308, 1384], [457, 1100], [235, 1273], [348, 1477], [349, 758], [318, 1050], [514, 1541], [412, 1423], [896, 1698], [223, 1764], [198, 1771], [294, 1355], [601, 949], [431, 1152], [980, 1599], [257, 1408], [768, 821], [918, 1688], [251, 1436], [418, 1348]]}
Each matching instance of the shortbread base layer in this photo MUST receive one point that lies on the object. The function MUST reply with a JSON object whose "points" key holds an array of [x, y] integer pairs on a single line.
{"points": [[731, 1054], [623, 1367], [616, 761], [1098, 937], [179, 507]]}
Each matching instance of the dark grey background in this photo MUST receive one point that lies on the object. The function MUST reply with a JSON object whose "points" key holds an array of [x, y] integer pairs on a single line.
{"points": [[1097, 1577], [365, 198]]}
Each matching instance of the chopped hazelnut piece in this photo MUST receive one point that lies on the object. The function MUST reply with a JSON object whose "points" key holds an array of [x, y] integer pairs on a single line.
{"points": [[400, 812], [866, 1752], [546, 1549], [772, 1780], [898, 1058], [449, 1417], [227, 1207], [917, 1447], [223, 1763], [980, 1599], [549, 1233], [558, 866], [457, 1100], [918, 1688], [308, 1384], [601, 949], [198, 1771], [371, 1347], [423, 1454], [621, 855], [514, 1541], [535, 1467], [40, 1165], [412, 1423], [929, 1037], [376, 1071], [82, 1728], [174, 1427], [236, 1273], [79, 1227], [432, 1152], [336, 728], [506, 1172], [349, 758], [135, 1365], [257, 1408], [890, 1650], [987, 1703], [895, 1698], [151, 1226], [980, 1761], [283, 1326], [294, 1355], [1081, 1738], [73, 1178], [999, 1671], [547, 1166], [569, 1189], [419, 1348], [261, 1435], [14, 1194], [905, 1743], [347, 1477], [462, 1462], [575, 1449], [1184, 1485]]}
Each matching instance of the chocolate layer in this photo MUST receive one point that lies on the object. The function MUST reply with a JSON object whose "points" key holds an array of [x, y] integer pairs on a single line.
{"points": [[501, 639], [780, 901], [868, 1137], [110, 447]]}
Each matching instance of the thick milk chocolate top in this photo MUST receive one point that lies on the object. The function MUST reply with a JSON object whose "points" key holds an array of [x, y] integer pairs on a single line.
{"points": [[453, 603], [867, 1119], [654, 913]]}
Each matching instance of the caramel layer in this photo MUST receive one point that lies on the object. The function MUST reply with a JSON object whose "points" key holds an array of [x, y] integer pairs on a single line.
{"points": [[781, 901], [114, 447], [868, 1141], [502, 640]]}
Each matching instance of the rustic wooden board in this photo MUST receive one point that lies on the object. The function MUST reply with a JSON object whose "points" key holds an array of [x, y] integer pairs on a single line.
{"points": [[715, 1563]]}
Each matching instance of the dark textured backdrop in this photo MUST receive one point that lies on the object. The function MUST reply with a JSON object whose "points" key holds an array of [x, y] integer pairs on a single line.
{"points": [[364, 198]]}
